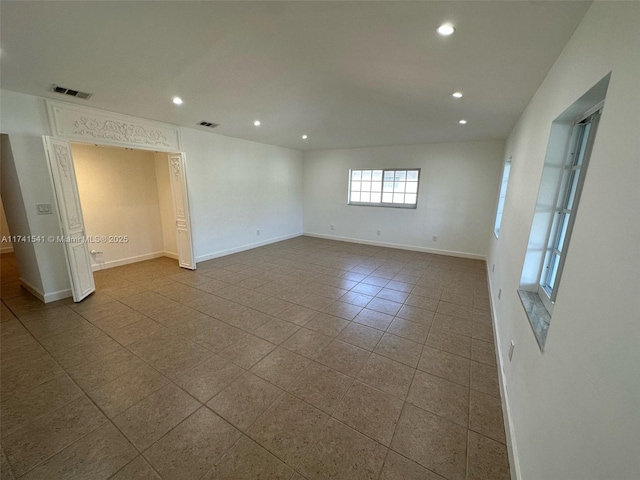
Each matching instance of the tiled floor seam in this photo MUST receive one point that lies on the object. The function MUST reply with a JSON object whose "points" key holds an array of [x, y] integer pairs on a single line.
{"points": [[108, 420]]}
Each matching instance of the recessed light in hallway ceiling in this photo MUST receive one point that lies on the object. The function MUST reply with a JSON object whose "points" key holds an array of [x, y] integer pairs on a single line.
{"points": [[446, 29]]}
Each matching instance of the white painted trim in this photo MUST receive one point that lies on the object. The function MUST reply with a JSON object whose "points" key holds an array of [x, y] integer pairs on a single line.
{"points": [[8, 249], [222, 253], [170, 255], [128, 260], [512, 449], [59, 295], [33, 290], [49, 297], [450, 253], [78, 123]]}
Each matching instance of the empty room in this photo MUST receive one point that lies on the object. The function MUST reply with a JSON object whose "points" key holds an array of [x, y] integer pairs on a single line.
{"points": [[320, 240]]}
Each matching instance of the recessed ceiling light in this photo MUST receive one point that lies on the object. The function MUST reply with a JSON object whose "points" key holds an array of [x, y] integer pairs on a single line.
{"points": [[462, 122], [304, 137], [177, 100], [446, 29], [457, 94], [257, 123]]}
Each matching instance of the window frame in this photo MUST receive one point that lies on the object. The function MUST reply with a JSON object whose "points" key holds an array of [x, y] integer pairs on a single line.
{"points": [[384, 204], [572, 180], [504, 186]]}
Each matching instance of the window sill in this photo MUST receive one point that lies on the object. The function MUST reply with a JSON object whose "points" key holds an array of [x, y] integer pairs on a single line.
{"points": [[537, 314], [387, 205]]}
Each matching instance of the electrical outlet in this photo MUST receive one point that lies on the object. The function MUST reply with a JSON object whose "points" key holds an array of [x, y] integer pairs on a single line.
{"points": [[493, 269], [331, 227], [378, 232], [43, 208], [499, 294], [258, 233], [511, 347], [434, 238]]}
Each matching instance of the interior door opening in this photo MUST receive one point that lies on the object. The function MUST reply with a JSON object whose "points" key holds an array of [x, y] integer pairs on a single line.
{"points": [[132, 205], [9, 269], [133, 210]]}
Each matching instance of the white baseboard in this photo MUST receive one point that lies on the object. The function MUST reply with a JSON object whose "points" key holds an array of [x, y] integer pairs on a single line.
{"points": [[36, 292], [59, 295], [222, 253], [6, 249], [170, 255], [450, 253], [46, 297], [512, 449], [128, 260]]}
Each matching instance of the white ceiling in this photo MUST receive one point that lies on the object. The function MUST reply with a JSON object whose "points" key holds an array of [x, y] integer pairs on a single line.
{"points": [[348, 74]]}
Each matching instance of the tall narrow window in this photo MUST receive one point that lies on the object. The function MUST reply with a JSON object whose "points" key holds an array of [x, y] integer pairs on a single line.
{"points": [[503, 194], [581, 143]]}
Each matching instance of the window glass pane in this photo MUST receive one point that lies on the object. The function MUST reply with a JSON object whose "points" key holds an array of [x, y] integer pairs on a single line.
{"points": [[564, 223], [553, 270], [503, 194], [573, 188], [380, 187], [412, 175], [583, 144], [412, 187]]}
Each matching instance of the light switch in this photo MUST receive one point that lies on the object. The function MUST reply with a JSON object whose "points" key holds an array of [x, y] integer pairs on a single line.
{"points": [[43, 208]]}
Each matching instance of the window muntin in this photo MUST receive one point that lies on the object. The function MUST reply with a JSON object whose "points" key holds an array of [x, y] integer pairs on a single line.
{"points": [[581, 143], [501, 198], [384, 188]]}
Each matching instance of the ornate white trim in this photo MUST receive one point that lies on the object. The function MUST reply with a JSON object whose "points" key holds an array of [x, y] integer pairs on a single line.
{"points": [[90, 125], [175, 165], [62, 156]]}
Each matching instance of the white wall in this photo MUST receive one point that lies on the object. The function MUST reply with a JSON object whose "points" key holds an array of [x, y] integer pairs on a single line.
{"points": [[119, 197], [24, 119], [5, 233], [167, 213], [575, 409], [237, 187], [17, 221], [456, 201]]}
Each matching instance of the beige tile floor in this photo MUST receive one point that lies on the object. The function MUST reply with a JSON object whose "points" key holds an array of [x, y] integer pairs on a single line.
{"points": [[307, 358]]}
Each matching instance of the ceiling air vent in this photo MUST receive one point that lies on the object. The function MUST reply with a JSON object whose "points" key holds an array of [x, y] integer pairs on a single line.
{"points": [[208, 124], [68, 91]]}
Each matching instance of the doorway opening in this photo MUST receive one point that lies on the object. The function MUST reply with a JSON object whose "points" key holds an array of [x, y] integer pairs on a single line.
{"points": [[127, 204], [9, 272]]}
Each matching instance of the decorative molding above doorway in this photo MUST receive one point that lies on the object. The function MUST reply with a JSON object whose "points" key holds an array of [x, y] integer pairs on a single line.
{"points": [[91, 125]]}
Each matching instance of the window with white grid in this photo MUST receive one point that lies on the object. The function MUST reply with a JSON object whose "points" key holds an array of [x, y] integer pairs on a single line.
{"points": [[384, 188]]}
